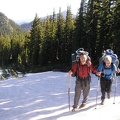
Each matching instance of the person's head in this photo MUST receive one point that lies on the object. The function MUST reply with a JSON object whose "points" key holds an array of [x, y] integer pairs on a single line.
{"points": [[83, 58], [108, 60]]}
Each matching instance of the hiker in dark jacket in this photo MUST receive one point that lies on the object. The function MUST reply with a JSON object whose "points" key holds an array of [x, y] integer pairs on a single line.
{"points": [[106, 70], [82, 68]]}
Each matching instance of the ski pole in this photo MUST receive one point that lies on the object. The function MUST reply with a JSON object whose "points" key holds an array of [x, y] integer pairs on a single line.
{"points": [[97, 91], [115, 88], [69, 82]]}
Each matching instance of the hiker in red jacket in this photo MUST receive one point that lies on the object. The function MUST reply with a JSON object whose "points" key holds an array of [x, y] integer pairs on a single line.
{"points": [[82, 69]]}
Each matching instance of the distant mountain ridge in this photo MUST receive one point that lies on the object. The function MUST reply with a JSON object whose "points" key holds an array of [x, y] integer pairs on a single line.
{"points": [[8, 26], [27, 26]]}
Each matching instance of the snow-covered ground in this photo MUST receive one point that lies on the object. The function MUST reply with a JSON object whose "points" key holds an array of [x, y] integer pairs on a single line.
{"points": [[44, 96]]}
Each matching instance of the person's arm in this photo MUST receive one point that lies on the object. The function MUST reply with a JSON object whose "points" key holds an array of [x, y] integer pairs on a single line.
{"points": [[100, 67], [73, 69], [114, 68], [93, 69]]}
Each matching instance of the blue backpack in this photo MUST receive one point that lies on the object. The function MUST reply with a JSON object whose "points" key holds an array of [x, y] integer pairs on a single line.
{"points": [[112, 54]]}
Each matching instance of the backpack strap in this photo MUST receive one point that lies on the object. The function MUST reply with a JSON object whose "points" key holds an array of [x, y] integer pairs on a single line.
{"points": [[107, 68], [88, 65], [78, 67]]}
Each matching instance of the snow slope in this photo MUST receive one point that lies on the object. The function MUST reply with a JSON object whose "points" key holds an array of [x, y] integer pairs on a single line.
{"points": [[44, 96]]}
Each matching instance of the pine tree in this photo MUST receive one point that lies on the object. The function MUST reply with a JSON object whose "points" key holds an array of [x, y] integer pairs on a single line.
{"points": [[53, 47], [68, 38], [35, 41], [14, 50], [116, 26], [46, 44], [92, 26], [80, 37], [60, 35], [4, 50]]}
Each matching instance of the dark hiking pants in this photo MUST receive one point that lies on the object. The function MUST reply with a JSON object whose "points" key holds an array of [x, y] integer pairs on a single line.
{"points": [[81, 85], [105, 86]]}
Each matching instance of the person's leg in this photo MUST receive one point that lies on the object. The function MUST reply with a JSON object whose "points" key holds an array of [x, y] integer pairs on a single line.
{"points": [[77, 94], [86, 89], [103, 89], [109, 83]]}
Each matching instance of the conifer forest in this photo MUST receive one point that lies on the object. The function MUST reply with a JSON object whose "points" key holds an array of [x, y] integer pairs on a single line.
{"points": [[51, 42]]}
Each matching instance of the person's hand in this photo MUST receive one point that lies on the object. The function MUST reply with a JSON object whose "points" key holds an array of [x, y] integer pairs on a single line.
{"points": [[70, 72], [118, 70], [98, 73]]}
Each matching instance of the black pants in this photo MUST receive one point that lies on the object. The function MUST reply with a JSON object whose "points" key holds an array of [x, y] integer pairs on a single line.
{"points": [[81, 85], [105, 86]]}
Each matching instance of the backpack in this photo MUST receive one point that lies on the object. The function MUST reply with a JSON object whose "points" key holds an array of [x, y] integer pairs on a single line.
{"points": [[113, 56], [76, 56]]}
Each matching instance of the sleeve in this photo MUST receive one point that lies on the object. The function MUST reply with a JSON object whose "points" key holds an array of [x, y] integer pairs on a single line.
{"points": [[100, 67], [74, 67], [114, 68], [92, 68]]}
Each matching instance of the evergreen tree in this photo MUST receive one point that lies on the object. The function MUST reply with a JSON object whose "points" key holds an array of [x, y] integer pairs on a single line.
{"points": [[14, 50], [46, 44], [4, 50], [68, 38], [80, 32], [116, 26], [92, 27], [35, 41], [53, 47], [22, 56], [60, 35]]}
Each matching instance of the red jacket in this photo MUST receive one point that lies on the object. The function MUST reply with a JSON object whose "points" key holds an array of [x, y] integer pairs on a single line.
{"points": [[84, 70]]}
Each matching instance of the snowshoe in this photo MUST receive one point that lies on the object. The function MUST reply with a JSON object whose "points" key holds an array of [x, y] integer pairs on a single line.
{"points": [[82, 105], [74, 109], [102, 102]]}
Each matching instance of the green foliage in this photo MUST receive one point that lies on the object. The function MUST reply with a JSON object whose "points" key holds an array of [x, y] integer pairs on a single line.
{"points": [[50, 43], [68, 36], [36, 36], [14, 73]]}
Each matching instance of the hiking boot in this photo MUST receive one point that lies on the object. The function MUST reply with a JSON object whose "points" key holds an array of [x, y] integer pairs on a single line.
{"points": [[74, 109], [102, 102], [82, 105], [108, 95]]}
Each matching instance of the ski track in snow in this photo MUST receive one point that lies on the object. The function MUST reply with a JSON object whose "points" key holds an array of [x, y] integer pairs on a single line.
{"points": [[44, 96]]}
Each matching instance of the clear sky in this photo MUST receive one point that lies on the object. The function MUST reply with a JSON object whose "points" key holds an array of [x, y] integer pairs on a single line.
{"points": [[19, 10]]}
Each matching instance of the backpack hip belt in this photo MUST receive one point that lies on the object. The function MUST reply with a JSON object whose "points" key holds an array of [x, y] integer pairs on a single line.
{"points": [[104, 75], [82, 78]]}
